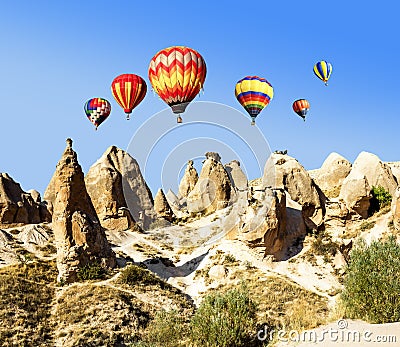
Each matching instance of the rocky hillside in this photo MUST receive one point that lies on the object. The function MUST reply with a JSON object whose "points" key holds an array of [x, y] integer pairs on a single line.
{"points": [[98, 259]]}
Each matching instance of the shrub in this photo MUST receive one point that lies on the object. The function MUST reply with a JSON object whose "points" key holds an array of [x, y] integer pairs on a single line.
{"points": [[136, 275], [322, 244], [365, 225], [229, 258], [91, 271], [168, 329], [380, 198], [224, 320], [372, 284]]}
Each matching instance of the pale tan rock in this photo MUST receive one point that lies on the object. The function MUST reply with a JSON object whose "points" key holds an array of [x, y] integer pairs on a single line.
{"points": [[217, 272], [356, 193], [377, 172], [295, 226], [396, 209], [213, 189], [336, 214], [16, 206], [331, 174], [395, 167], [267, 227], [238, 178], [79, 237], [162, 207], [189, 180], [339, 262], [285, 172], [119, 192]]}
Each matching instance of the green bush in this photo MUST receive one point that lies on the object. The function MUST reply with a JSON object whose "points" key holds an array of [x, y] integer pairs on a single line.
{"points": [[380, 199], [224, 320], [91, 271], [137, 275], [372, 284]]}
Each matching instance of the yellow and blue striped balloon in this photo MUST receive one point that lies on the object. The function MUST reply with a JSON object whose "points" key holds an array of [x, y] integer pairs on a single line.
{"points": [[254, 93], [323, 70]]}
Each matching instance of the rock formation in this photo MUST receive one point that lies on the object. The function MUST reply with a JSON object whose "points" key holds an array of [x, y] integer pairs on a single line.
{"points": [[236, 175], [161, 206], [189, 180], [80, 239], [395, 167], [331, 174], [213, 189], [336, 214], [119, 192], [285, 172], [356, 193], [267, 227], [17, 206], [376, 172], [396, 209]]}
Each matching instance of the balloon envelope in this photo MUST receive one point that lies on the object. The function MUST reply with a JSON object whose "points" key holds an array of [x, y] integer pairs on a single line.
{"points": [[177, 75], [254, 93], [301, 107], [97, 110], [128, 90], [323, 70]]}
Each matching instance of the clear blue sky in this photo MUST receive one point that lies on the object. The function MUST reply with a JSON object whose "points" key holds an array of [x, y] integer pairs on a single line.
{"points": [[57, 54]]}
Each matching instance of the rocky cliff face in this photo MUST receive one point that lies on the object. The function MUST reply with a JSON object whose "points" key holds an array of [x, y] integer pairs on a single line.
{"points": [[118, 191], [213, 189], [331, 174], [356, 193], [284, 172], [189, 180], [17, 206], [265, 225], [162, 207], [396, 209], [79, 236], [375, 171], [237, 176]]}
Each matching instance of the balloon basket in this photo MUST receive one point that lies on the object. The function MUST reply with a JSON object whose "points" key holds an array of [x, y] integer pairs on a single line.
{"points": [[179, 119], [127, 116]]}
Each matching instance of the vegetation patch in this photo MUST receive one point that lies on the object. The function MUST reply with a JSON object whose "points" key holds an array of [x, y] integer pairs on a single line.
{"points": [[372, 284], [367, 225], [27, 291], [91, 271], [381, 198], [95, 315]]}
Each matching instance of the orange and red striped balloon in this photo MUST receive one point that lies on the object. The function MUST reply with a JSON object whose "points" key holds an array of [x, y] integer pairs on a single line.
{"points": [[177, 75], [301, 107], [128, 90]]}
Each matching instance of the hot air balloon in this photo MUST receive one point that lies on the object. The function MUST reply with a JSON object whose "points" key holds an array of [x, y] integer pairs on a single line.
{"points": [[97, 110], [128, 90], [301, 107], [177, 75], [254, 93], [323, 71]]}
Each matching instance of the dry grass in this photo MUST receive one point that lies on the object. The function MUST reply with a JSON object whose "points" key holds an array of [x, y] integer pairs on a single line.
{"points": [[94, 315], [282, 303], [26, 292]]}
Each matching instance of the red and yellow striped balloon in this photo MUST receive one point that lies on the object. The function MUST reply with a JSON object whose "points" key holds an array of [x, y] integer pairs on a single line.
{"points": [[177, 75], [128, 90], [301, 107]]}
